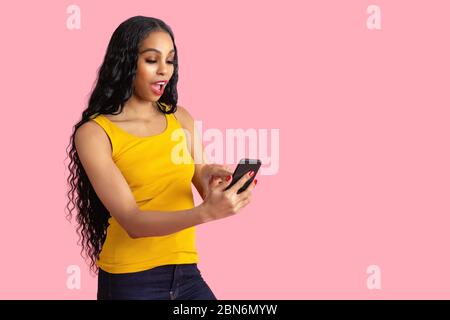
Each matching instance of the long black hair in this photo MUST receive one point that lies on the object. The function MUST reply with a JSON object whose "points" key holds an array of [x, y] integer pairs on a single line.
{"points": [[113, 87]]}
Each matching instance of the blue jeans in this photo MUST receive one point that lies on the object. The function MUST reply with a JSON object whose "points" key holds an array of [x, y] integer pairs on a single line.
{"points": [[168, 282]]}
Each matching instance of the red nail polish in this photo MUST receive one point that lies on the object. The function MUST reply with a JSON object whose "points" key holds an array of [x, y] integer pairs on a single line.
{"points": [[228, 178], [251, 173], [255, 181]]}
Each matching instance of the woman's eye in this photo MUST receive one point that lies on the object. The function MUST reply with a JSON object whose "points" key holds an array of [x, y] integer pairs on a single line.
{"points": [[153, 61]]}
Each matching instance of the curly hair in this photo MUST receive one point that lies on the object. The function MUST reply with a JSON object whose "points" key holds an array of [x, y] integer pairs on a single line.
{"points": [[113, 87]]}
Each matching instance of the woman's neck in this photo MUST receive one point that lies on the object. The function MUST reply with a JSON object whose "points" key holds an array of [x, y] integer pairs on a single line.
{"points": [[136, 108]]}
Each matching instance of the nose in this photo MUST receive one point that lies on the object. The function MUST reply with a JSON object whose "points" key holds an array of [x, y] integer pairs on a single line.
{"points": [[162, 69]]}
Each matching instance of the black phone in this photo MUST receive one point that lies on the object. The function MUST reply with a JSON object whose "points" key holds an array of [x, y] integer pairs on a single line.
{"points": [[244, 166]]}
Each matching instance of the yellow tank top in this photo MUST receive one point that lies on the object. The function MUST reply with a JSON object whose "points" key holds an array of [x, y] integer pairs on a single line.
{"points": [[157, 183]]}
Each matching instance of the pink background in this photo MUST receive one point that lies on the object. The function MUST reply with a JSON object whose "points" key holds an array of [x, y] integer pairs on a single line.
{"points": [[364, 159]]}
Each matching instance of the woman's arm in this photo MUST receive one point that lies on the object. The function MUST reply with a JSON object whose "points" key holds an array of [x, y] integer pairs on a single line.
{"points": [[94, 151], [155, 223], [203, 167]]}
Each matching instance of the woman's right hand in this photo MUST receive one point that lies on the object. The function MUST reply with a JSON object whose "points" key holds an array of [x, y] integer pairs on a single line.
{"points": [[220, 203]]}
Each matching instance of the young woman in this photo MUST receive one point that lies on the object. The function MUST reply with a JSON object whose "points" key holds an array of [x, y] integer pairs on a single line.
{"points": [[133, 195]]}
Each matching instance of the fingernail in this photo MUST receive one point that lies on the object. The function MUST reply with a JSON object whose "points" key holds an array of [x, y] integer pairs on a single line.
{"points": [[251, 173], [228, 178], [256, 181]]}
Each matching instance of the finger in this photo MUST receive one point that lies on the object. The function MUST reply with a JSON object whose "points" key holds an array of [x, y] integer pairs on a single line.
{"points": [[242, 204], [247, 192], [222, 166], [240, 183], [249, 198], [214, 182], [221, 171], [226, 182], [227, 168]]}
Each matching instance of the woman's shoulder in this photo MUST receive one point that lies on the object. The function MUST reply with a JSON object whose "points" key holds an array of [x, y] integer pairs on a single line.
{"points": [[90, 133], [183, 115]]}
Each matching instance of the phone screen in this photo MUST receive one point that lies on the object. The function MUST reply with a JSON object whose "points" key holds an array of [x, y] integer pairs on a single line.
{"points": [[244, 166]]}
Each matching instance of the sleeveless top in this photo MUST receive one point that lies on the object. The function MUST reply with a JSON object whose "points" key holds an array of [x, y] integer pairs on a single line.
{"points": [[159, 171]]}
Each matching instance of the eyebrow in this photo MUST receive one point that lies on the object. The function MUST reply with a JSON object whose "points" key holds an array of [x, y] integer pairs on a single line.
{"points": [[156, 50]]}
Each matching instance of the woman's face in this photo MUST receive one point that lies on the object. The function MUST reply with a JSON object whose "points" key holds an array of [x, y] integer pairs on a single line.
{"points": [[155, 63]]}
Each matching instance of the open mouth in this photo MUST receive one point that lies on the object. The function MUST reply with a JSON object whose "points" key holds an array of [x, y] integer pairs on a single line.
{"points": [[157, 88]]}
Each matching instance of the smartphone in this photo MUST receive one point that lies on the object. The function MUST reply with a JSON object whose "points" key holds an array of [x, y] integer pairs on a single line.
{"points": [[244, 166]]}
